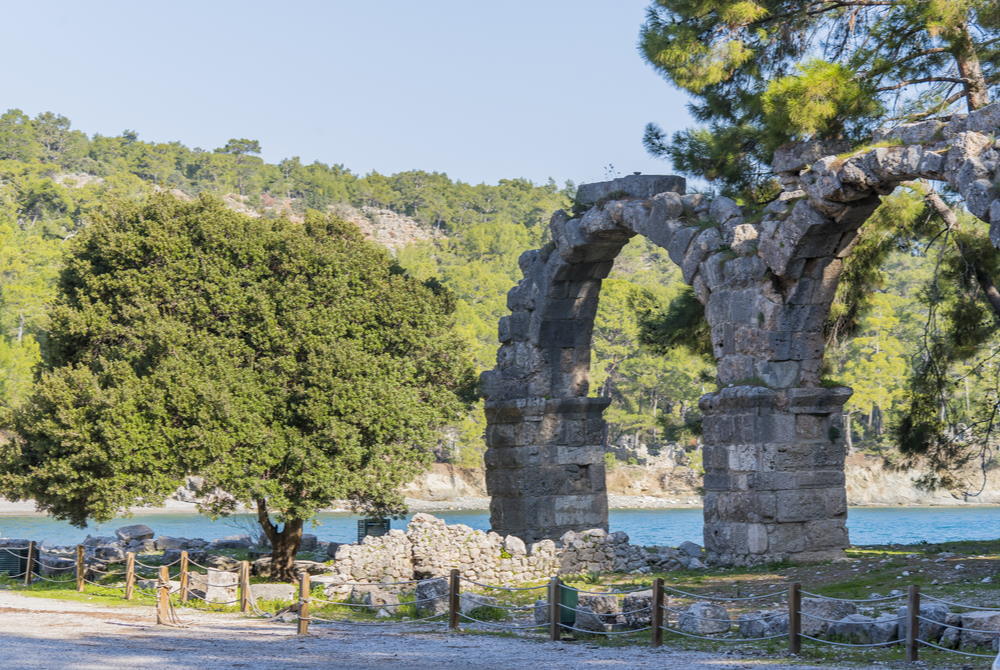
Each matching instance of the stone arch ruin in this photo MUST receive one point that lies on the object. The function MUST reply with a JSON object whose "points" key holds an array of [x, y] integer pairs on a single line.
{"points": [[773, 436]]}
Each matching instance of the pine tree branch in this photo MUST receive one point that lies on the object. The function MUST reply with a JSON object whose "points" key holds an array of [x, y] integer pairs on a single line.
{"points": [[924, 80], [983, 278]]}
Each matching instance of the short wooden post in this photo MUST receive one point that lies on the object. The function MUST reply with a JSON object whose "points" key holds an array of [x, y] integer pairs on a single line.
{"points": [[244, 586], [794, 618], [81, 568], [657, 614], [163, 597], [129, 575], [454, 602], [304, 604], [912, 623], [555, 611], [184, 567], [29, 568]]}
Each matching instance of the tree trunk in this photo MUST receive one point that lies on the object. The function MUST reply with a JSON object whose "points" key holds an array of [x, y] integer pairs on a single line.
{"points": [[977, 93], [284, 543]]}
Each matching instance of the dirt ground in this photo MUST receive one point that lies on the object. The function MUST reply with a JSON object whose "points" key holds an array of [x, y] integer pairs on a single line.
{"points": [[37, 634]]}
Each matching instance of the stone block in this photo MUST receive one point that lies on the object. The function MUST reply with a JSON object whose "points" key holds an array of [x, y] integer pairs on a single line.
{"points": [[134, 532], [704, 619], [634, 186]]}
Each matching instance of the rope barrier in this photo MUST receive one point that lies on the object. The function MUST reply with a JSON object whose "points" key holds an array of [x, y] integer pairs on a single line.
{"points": [[505, 626], [589, 611], [607, 632], [818, 618], [854, 600], [505, 588], [731, 640], [848, 644], [721, 598], [948, 625], [953, 651], [968, 607], [373, 606], [603, 593]]}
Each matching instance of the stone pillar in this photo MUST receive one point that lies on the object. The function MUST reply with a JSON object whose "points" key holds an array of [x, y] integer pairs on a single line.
{"points": [[545, 466], [774, 474]]}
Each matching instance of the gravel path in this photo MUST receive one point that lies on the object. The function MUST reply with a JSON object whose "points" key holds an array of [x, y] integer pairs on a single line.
{"points": [[37, 634]]}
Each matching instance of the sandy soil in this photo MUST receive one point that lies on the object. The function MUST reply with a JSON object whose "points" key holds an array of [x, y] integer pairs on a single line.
{"points": [[37, 634]]}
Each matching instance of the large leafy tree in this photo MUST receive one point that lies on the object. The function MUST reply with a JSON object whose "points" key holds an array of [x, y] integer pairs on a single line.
{"points": [[288, 364], [762, 73]]}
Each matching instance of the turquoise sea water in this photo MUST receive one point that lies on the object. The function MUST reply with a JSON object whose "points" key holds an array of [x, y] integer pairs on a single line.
{"points": [[648, 527]]}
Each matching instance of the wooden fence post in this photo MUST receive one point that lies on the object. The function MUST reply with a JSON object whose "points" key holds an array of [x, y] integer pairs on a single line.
{"points": [[794, 618], [129, 575], [163, 597], [555, 612], [81, 568], [912, 623], [657, 614], [184, 576], [30, 565], [244, 586], [454, 599], [304, 593]]}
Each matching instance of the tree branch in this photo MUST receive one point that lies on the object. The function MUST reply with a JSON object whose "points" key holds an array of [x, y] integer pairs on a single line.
{"points": [[924, 80], [983, 277]]}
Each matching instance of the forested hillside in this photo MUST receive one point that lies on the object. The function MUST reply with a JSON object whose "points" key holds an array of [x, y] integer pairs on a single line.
{"points": [[52, 178]]}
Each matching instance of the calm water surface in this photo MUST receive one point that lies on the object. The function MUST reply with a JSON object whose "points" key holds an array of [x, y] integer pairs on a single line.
{"points": [[647, 527]]}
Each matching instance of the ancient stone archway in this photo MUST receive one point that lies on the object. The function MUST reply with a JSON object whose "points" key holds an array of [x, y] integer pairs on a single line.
{"points": [[773, 440]]}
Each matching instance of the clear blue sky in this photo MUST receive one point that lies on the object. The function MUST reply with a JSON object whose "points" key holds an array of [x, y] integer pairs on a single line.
{"points": [[480, 90]]}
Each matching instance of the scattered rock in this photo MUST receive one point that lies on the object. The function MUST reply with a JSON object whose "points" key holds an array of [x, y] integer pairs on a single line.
{"points": [[704, 619], [137, 531]]}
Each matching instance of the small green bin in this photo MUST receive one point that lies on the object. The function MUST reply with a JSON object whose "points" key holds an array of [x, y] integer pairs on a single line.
{"points": [[372, 527], [13, 561], [570, 601]]}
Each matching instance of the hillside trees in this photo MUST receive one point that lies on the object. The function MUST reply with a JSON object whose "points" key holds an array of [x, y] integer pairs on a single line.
{"points": [[288, 364]]}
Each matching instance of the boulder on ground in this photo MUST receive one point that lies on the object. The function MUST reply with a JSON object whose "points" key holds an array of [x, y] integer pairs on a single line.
{"points": [[606, 607], [932, 622], [763, 624], [980, 630], [139, 531], [591, 621], [637, 609], [164, 542], [471, 601], [374, 596], [432, 597], [281, 592], [215, 586], [308, 542], [231, 542], [818, 613], [860, 629], [704, 619], [220, 562], [93, 541], [332, 547], [690, 549]]}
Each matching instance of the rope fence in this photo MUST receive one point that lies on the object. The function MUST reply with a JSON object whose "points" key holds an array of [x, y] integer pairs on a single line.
{"points": [[565, 608]]}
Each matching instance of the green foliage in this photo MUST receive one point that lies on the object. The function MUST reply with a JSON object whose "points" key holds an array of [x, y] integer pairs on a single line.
{"points": [[287, 363], [765, 72], [816, 101]]}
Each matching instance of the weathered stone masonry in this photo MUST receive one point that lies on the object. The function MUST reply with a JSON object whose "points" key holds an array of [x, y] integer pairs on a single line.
{"points": [[774, 447]]}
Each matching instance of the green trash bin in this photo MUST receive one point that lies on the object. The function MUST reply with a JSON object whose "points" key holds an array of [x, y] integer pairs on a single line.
{"points": [[570, 601]]}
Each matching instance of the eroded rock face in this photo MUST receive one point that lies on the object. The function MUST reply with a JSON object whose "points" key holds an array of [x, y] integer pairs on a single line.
{"points": [[774, 448]]}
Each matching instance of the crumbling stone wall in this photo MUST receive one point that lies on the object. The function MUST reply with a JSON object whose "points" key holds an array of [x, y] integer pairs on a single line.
{"points": [[774, 446], [431, 548]]}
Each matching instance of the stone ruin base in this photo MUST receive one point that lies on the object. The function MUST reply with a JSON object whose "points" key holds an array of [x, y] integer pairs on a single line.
{"points": [[774, 475], [431, 548]]}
